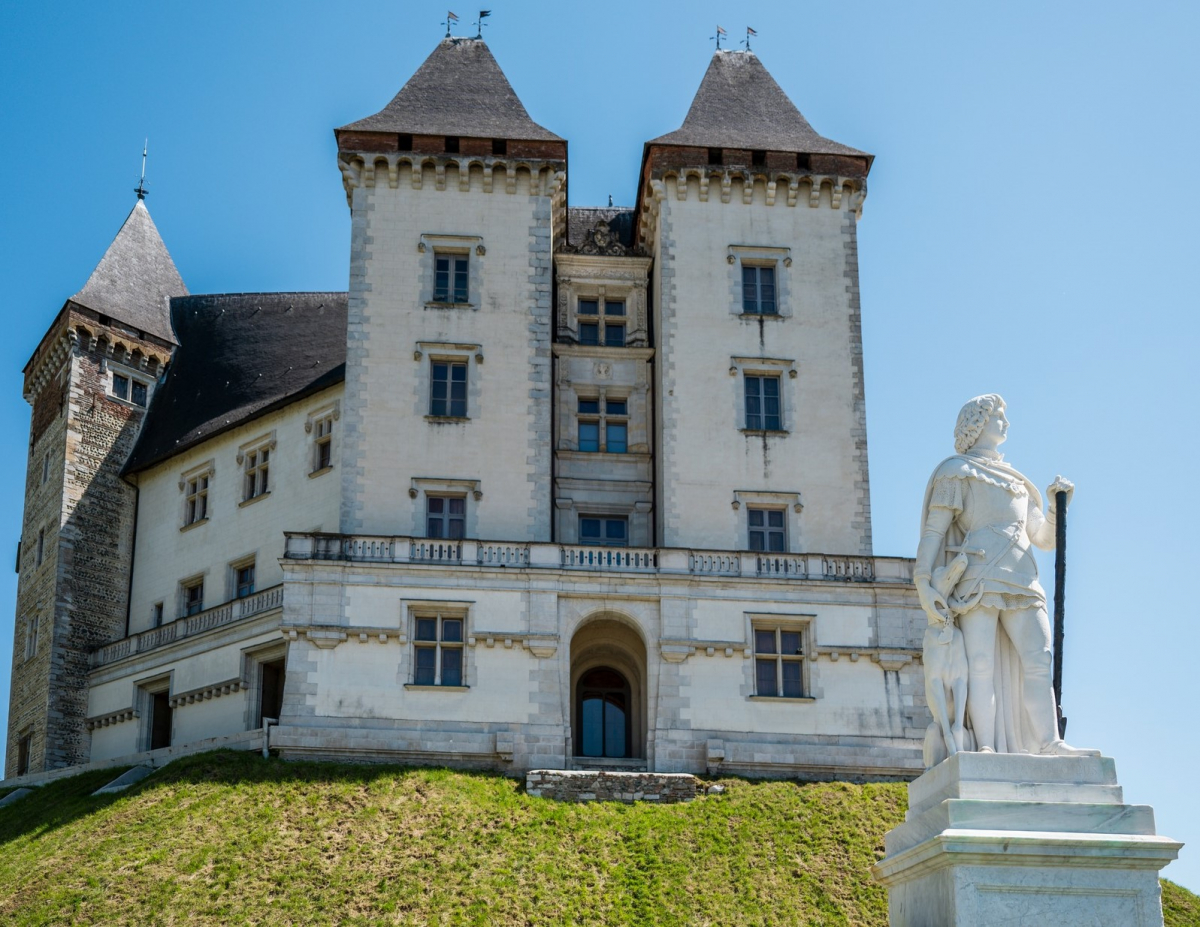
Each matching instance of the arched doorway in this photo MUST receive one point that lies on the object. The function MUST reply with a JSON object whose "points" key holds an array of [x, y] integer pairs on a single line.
{"points": [[608, 690], [603, 707]]}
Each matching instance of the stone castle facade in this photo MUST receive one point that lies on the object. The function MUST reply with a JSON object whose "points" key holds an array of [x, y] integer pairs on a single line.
{"points": [[547, 487]]}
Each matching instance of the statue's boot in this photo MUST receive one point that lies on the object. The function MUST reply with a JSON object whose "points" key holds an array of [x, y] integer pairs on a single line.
{"points": [[1062, 748]]}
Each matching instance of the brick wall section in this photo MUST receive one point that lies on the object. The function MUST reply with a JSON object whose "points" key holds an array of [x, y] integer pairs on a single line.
{"points": [[663, 158], [592, 785], [86, 510], [351, 142]]}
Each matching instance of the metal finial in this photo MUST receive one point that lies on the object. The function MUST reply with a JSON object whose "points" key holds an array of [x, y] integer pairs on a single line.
{"points": [[451, 19], [749, 32], [479, 23], [721, 33], [610, 199], [140, 189]]}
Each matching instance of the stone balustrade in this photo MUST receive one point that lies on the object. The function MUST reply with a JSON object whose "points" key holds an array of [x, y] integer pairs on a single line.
{"points": [[226, 613], [666, 560]]}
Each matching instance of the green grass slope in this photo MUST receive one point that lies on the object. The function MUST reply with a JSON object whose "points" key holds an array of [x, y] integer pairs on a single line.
{"points": [[228, 838]]}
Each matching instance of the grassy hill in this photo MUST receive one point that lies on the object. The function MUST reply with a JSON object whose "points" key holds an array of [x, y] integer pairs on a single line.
{"points": [[228, 838]]}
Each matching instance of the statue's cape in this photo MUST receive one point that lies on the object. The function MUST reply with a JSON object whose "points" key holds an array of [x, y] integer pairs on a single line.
{"points": [[1013, 734]]}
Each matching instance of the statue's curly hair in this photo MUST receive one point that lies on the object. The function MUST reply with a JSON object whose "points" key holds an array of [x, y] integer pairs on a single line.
{"points": [[973, 418]]}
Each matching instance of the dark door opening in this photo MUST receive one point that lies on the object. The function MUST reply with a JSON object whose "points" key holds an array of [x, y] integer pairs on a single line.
{"points": [[160, 720], [23, 746], [270, 695], [602, 712]]}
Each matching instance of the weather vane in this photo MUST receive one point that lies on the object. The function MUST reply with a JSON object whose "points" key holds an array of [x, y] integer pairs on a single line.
{"points": [[720, 34], [746, 41], [451, 19], [479, 23], [140, 189]]}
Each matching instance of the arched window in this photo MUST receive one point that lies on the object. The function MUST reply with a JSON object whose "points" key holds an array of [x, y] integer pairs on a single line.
{"points": [[603, 714]]}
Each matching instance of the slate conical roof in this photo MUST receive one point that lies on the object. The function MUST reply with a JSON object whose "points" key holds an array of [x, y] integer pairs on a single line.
{"points": [[459, 90], [739, 105], [135, 277]]}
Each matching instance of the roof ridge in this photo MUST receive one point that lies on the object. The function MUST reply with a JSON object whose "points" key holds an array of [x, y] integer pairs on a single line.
{"points": [[739, 104], [458, 90], [135, 277]]}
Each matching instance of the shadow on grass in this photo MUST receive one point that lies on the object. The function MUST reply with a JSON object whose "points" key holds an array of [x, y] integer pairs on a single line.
{"points": [[64, 800]]}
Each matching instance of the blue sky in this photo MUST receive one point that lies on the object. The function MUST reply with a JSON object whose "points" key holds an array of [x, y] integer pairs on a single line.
{"points": [[1029, 230]]}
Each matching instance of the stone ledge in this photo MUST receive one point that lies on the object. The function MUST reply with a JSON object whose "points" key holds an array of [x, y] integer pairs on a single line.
{"points": [[579, 785]]}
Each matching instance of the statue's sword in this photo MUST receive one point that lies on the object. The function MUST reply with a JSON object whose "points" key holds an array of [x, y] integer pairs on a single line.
{"points": [[1060, 576]]}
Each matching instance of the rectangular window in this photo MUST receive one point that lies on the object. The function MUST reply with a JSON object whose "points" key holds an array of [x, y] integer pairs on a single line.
{"points": [[41, 547], [138, 393], [603, 419], [31, 636], [448, 390], [758, 290], [596, 329], [243, 577], [193, 597], [258, 473], [195, 506], [767, 530], [438, 651], [779, 661], [323, 443], [589, 436], [120, 386], [762, 403], [157, 616], [46, 467], [603, 530], [451, 273], [445, 517]]}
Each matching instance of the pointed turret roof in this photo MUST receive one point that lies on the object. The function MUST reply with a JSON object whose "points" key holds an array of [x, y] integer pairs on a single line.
{"points": [[739, 105], [135, 277], [459, 90]]}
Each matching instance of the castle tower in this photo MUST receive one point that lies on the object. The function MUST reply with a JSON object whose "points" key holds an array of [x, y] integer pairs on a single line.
{"points": [[89, 383], [456, 198], [750, 217]]}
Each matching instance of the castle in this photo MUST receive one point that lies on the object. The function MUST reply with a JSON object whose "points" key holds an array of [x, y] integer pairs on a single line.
{"points": [[547, 487]]}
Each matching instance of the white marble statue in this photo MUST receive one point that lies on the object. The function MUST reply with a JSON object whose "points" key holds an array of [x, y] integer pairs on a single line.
{"points": [[975, 567]]}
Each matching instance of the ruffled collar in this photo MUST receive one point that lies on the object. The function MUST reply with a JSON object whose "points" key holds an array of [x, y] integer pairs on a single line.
{"points": [[991, 468]]}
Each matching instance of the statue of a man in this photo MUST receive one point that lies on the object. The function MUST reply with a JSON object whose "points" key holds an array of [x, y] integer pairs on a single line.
{"points": [[979, 519]]}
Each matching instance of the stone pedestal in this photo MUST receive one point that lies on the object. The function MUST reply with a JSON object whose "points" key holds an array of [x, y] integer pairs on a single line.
{"points": [[1010, 839]]}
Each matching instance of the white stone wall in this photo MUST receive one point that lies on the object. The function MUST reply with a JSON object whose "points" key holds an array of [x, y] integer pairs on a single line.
{"points": [[350, 668], [201, 668], [168, 553], [504, 335], [706, 347]]}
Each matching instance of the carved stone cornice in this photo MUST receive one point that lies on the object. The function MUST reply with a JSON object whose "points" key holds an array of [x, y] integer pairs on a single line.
{"points": [[367, 169]]}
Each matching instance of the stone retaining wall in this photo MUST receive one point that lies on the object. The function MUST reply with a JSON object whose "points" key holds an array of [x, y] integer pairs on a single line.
{"points": [[597, 785]]}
